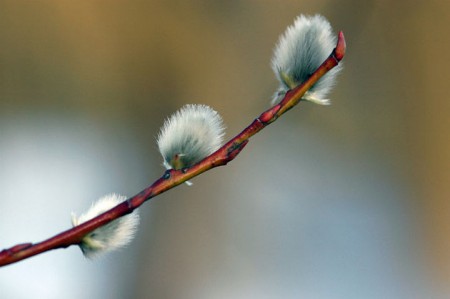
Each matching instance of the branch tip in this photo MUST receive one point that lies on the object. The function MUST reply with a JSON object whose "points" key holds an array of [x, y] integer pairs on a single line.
{"points": [[341, 46]]}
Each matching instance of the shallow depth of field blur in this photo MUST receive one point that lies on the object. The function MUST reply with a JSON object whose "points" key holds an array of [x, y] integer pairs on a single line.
{"points": [[346, 201]]}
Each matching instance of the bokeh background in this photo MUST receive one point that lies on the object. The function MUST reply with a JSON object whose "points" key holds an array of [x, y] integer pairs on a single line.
{"points": [[346, 201]]}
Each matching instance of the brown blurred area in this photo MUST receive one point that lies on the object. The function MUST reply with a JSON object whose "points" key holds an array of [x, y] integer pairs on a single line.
{"points": [[121, 67]]}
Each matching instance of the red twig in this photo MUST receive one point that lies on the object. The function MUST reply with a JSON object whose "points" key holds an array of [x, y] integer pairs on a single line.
{"points": [[172, 178]]}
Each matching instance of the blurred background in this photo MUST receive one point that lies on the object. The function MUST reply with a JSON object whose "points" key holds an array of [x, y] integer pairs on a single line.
{"points": [[345, 201]]}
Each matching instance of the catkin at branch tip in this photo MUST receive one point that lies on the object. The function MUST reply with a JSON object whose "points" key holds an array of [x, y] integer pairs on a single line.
{"points": [[299, 52]]}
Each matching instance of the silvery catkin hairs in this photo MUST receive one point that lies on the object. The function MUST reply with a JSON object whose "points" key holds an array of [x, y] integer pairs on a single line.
{"points": [[110, 236], [189, 135], [299, 52]]}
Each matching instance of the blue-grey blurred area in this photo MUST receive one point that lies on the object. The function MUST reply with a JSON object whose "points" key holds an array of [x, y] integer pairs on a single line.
{"points": [[346, 201]]}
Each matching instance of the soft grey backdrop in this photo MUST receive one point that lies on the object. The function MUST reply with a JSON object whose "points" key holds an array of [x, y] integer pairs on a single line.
{"points": [[346, 201]]}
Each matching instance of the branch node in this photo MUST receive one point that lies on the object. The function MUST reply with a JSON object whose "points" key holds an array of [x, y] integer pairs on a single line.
{"points": [[166, 175], [236, 149]]}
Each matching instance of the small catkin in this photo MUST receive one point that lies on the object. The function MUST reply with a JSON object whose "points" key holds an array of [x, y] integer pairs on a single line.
{"points": [[113, 235]]}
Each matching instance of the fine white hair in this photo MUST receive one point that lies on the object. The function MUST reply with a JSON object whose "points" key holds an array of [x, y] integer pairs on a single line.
{"points": [[189, 135], [113, 235], [299, 52]]}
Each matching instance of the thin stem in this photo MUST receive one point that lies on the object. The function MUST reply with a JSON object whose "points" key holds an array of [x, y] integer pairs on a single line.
{"points": [[173, 178]]}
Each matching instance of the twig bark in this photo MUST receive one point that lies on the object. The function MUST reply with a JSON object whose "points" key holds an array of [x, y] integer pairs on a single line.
{"points": [[173, 178]]}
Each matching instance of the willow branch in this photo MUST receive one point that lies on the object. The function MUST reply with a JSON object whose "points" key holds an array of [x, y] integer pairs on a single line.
{"points": [[173, 178]]}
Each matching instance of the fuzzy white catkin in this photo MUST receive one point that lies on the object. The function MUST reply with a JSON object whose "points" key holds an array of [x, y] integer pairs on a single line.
{"points": [[299, 52], [189, 135], [113, 235]]}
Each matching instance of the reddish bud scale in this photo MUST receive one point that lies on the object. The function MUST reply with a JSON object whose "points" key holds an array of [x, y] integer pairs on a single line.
{"points": [[269, 115], [341, 46]]}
